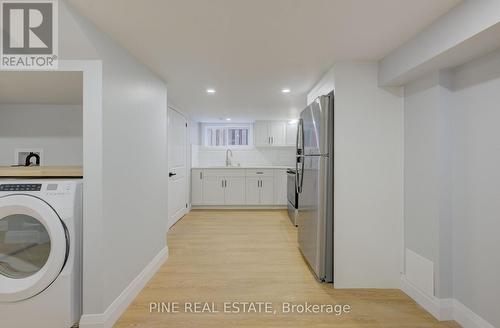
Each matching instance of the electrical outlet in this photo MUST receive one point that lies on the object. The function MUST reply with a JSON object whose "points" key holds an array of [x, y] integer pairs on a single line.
{"points": [[22, 154]]}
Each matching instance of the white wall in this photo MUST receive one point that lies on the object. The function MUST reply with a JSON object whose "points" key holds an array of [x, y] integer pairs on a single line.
{"points": [[451, 182], [446, 43], [325, 85], [134, 157], [368, 177], [475, 117], [427, 179], [282, 156], [57, 129]]}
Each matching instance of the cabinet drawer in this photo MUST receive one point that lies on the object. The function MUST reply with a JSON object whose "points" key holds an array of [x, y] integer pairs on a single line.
{"points": [[259, 172], [224, 172]]}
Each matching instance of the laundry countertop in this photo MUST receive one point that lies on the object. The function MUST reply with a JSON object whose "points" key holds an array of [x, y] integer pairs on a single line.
{"points": [[41, 172]]}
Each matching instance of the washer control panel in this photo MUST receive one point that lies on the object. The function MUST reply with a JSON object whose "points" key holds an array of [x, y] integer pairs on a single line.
{"points": [[20, 187]]}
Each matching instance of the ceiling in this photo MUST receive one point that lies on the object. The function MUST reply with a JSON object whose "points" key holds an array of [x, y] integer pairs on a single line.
{"points": [[249, 50], [41, 88]]}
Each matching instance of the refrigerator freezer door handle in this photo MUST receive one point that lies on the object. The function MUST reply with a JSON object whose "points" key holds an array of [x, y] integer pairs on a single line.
{"points": [[299, 178]]}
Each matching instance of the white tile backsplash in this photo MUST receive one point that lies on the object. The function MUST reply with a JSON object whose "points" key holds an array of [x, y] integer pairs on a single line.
{"points": [[283, 156]]}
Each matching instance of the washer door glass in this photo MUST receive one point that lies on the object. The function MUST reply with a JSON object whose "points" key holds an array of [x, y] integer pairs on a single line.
{"points": [[24, 246], [33, 247]]}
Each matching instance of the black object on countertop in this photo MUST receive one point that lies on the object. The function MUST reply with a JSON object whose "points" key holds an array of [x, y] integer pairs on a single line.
{"points": [[30, 156]]}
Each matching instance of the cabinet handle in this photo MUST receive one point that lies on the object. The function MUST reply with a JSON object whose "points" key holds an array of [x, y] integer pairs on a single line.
{"points": [[201, 175], [225, 183]]}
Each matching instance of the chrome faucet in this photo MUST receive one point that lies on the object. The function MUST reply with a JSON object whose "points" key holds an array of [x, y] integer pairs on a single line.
{"points": [[229, 161]]}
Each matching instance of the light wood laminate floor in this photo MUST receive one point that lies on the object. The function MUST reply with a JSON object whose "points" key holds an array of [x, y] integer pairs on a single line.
{"points": [[224, 256]]}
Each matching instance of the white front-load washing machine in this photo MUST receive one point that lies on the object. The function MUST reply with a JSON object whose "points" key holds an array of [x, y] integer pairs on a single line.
{"points": [[40, 253]]}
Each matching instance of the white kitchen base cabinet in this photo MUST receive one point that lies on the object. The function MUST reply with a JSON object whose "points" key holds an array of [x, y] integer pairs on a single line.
{"points": [[266, 191], [213, 190], [219, 186], [280, 187], [238, 188], [234, 191], [253, 190], [197, 187]]}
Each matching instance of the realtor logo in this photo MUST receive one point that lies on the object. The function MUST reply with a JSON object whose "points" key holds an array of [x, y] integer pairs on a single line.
{"points": [[29, 34]]}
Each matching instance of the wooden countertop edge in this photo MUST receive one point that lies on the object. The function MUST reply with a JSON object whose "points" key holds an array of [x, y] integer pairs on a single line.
{"points": [[42, 172]]}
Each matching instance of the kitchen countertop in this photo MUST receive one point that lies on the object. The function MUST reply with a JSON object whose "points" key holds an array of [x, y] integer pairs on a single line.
{"points": [[240, 167], [41, 172]]}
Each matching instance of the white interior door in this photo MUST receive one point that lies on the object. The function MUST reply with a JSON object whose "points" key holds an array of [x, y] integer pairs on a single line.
{"points": [[177, 166]]}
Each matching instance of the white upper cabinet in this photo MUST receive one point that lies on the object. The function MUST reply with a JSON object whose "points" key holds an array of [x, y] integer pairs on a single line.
{"points": [[277, 132], [270, 133], [261, 133], [291, 134]]}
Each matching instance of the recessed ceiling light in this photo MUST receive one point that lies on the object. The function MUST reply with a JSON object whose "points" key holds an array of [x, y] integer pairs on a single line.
{"points": [[286, 90], [210, 90], [228, 119]]}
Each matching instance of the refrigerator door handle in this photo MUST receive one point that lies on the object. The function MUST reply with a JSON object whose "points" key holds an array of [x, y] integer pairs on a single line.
{"points": [[300, 138], [299, 176]]}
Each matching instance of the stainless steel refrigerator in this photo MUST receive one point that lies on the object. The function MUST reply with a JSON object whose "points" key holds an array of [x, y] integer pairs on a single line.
{"points": [[315, 186]]}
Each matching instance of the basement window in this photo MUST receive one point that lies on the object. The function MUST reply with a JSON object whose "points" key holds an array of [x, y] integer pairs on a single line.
{"points": [[227, 136]]}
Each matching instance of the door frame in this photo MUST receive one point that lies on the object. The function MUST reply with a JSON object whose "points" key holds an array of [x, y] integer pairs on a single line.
{"points": [[187, 167]]}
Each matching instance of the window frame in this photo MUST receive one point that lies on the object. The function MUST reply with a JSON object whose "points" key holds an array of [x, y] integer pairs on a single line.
{"points": [[226, 127]]}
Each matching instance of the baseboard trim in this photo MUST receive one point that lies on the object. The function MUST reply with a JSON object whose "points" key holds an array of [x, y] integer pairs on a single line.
{"points": [[120, 304], [444, 309], [441, 309], [467, 318], [179, 216]]}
